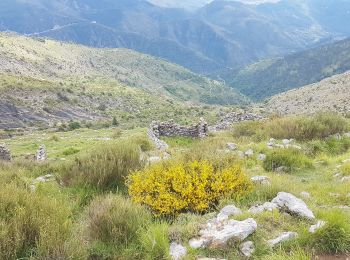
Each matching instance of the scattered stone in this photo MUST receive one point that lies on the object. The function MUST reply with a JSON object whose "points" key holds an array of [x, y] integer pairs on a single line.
{"points": [[305, 195], [228, 120], [5, 153], [41, 179], [247, 248], [41, 155], [216, 235], [177, 251], [292, 205], [345, 179], [249, 152], [227, 212], [231, 146], [286, 142], [264, 180], [317, 226], [261, 157], [283, 237], [267, 206]]}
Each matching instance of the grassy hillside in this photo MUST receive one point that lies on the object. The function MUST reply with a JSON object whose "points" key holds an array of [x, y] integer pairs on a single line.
{"points": [[270, 77], [330, 94], [44, 80]]}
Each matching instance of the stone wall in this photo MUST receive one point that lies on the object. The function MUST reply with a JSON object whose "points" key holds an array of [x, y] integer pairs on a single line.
{"points": [[228, 120], [5, 154]]}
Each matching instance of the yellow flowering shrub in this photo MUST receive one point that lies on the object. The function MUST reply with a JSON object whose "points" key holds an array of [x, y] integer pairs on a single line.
{"points": [[181, 187]]}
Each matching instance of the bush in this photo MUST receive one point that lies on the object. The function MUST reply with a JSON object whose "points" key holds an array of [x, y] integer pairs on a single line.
{"points": [[32, 225], [289, 159], [180, 187], [334, 237], [249, 129], [73, 125], [116, 221], [106, 167], [70, 151], [332, 146]]}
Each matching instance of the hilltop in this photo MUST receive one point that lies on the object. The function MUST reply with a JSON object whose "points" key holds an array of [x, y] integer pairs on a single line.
{"points": [[45, 80], [269, 77], [329, 94]]}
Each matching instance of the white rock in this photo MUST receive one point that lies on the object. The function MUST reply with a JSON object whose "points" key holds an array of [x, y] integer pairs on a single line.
{"points": [[247, 248], [317, 226], [267, 206], [337, 175], [294, 146], [228, 211], [249, 152], [291, 204], [177, 251], [281, 169], [345, 179], [305, 195], [218, 235], [260, 180], [283, 237], [261, 157], [286, 141], [231, 146]]}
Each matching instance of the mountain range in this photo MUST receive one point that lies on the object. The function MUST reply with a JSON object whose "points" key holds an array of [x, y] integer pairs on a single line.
{"points": [[208, 39]]}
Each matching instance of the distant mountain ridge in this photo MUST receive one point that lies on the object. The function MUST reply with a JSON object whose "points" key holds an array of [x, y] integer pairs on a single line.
{"points": [[222, 34]]}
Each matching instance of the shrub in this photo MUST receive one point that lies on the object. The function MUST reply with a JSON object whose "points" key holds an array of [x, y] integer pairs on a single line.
{"points": [[345, 169], [290, 159], [115, 220], [180, 187], [70, 151], [32, 225], [106, 167], [332, 146], [249, 129], [74, 125]]}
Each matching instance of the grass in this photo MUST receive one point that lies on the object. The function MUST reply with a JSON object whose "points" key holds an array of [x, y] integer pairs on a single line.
{"points": [[90, 218]]}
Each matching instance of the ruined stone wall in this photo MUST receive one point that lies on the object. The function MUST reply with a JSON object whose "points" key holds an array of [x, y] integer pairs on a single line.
{"points": [[228, 120]]}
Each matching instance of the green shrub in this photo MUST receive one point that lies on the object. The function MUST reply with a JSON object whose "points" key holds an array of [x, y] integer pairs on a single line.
{"points": [[74, 125], [32, 225], [115, 220], [250, 129], [105, 167], [334, 237], [289, 159], [155, 242], [174, 188], [70, 151], [331, 146]]}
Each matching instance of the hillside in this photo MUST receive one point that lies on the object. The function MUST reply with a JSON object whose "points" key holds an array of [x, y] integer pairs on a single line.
{"points": [[330, 94], [219, 35], [269, 77], [44, 80]]}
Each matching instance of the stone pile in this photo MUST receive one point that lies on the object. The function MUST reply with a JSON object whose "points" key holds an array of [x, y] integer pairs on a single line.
{"points": [[41, 155], [235, 117], [5, 153]]}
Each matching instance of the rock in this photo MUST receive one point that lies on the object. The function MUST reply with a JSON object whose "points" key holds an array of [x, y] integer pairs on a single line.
{"points": [[337, 175], [5, 153], [261, 180], [305, 195], [249, 153], [281, 169], [345, 179], [247, 248], [261, 157], [292, 205], [267, 206], [177, 251], [228, 211], [231, 146], [317, 226], [294, 146], [41, 179], [240, 154], [283, 237], [204, 258], [217, 235], [286, 141], [160, 144], [41, 155]]}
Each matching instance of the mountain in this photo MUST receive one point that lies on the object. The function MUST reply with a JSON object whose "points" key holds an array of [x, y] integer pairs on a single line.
{"points": [[219, 35], [44, 81], [329, 94], [269, 77]]}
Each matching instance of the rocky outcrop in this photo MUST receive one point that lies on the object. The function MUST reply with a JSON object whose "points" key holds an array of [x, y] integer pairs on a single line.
{"points": [[217, 234], [292, 205], [263, 180], [41, 155], [227, 212], [235, 117], [5, 153]]}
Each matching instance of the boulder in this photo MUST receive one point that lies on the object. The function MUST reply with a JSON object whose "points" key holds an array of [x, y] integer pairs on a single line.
{"points": [[226, 212], [261, 157], [264, 180], [231, 146], [267, 206], [219, 234], [247, 248], [292, 205], [281, 238], [249, 153], [317, 226], [177, 251]]}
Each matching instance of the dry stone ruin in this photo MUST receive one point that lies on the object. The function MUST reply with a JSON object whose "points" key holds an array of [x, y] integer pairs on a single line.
{"points": [[5, 153], [234, 117], [41, 155]]}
